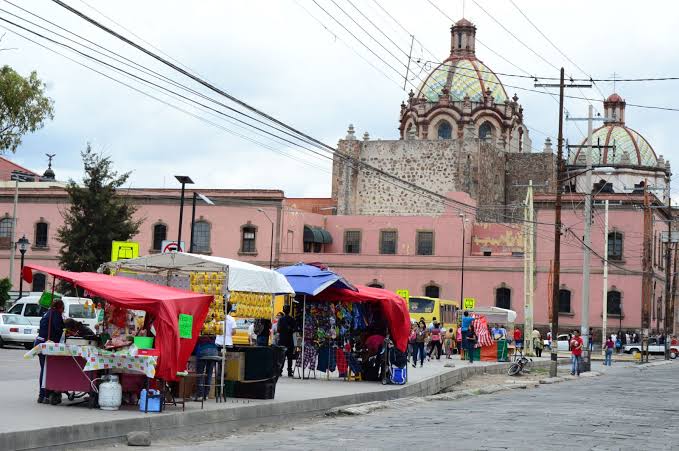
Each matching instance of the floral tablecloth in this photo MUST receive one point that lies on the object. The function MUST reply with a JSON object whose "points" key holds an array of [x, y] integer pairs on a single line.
{"points": [[99, 359]]}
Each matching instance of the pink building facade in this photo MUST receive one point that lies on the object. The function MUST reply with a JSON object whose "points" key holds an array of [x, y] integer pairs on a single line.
{"points": [[423, 254]]}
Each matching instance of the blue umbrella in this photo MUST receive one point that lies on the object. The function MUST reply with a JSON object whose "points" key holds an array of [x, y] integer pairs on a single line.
{"points": [[311, 280]]}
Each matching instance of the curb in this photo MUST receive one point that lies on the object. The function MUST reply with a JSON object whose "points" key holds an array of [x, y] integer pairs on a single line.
{"points": [[164, 425]]}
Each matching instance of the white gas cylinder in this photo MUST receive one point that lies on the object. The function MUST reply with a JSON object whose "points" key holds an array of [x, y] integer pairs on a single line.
{"points": [[110, 393]]}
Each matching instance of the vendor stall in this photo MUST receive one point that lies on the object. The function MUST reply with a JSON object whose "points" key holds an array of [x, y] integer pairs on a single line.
{"points": [[249, 288], [488, 347], [173, 317]]}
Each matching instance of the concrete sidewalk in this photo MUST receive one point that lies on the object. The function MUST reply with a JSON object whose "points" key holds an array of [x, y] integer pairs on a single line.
{"points": [[27, 425]]}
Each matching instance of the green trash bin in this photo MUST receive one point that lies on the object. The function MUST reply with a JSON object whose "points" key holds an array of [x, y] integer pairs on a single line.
{"points": [[502, 351]]}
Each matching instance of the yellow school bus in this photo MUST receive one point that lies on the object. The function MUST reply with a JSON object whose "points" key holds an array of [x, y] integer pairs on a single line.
{"points": [[428, 308]]}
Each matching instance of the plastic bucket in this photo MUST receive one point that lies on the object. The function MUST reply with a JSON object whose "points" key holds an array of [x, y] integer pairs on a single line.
{"points": [[143, 342]]}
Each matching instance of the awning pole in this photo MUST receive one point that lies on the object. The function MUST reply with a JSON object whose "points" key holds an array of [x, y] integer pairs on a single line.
{"points": [[227, 297], [303, 327]]}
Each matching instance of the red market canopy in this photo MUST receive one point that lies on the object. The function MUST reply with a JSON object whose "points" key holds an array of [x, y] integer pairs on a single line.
{"points": [[393, 306], [165, 304]]}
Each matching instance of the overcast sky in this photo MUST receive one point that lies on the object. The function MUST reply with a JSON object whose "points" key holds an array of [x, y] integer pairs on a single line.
{"points": [[277, 57]]}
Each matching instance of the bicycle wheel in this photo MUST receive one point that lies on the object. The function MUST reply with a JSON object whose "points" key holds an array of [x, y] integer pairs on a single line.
{"points": [[514, 369]]}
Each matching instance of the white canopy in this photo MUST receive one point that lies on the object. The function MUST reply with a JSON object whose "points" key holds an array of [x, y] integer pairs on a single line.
{"points": [[242, 276], [497, 314]]}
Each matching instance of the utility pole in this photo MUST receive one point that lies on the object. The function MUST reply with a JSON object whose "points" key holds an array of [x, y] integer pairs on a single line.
{"points": [[647, 277], [584, 320], [12, 237], [674, 292], [604, 284], [557, 223], [668, 319], [528, 270]]}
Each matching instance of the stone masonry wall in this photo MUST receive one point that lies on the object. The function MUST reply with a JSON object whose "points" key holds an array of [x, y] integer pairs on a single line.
{"points": [[523, 167]]}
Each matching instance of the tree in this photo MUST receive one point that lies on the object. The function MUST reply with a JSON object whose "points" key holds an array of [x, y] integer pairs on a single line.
{"points": [[97, 215], [23, 107], [5, 286]]}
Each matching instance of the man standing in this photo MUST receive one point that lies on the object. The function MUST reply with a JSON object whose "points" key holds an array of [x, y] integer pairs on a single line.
{"points": [[229, 325], [518, 338], [576, 353], [286, 328], [51, 329]]}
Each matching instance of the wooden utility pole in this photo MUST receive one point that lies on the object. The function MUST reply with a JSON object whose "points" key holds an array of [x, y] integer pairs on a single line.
{"points": [[647, 276]]}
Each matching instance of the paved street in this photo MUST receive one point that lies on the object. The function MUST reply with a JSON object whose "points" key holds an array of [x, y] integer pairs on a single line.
{"points": [[627, 408]]}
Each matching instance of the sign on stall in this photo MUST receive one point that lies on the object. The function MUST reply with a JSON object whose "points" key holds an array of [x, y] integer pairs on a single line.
{"points": [[469, 303], [185, 325], [123, 250]]}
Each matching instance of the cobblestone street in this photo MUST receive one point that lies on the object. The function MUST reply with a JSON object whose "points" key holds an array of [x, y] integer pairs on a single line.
{"points": [[627, 408]]}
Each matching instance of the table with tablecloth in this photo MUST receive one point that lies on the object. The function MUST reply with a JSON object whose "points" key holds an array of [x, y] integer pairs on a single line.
{"points": [[99, 359]]}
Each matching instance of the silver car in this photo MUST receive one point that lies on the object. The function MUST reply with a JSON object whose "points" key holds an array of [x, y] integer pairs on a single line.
{"points": [[15, 329]]}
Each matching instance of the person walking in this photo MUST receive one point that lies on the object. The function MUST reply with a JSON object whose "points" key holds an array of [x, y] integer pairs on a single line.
{"points": [[411, 339], [576, 353], [436, 339], [458, 339], [449, 343], [518, 338], [471, 343], [591, 339], [286, 328], [420, 337], [537, 343], [609, 351], [618, 343]]}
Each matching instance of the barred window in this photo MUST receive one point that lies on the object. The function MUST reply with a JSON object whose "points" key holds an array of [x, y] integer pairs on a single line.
{"points": [[352, 242], [503, 298], [248, 240], [388, 239], [614, 304], [40, 234], [615, 246], [565, 301], [159, 235], [5, 233], [201, 237], [425, 243]]}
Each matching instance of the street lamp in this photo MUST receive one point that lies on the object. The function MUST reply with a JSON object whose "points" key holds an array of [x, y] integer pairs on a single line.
{"points": [[22, 244], [205, 199], [184, 180], [462, 218], [271, 245]]}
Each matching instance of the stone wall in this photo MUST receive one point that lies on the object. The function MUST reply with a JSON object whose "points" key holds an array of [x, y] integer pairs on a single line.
{"points": [[520, 169]]}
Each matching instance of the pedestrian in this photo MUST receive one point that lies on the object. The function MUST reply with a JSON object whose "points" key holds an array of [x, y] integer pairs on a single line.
{"points": [[420, 336], [51, 329], [225, 340], [618, 344], [471, 343], [286, 329], [432, 324], [610, 344], [591, 339], [263, 331], [494, 332], [537, 343], [458, 339], [628, 337], [411, 338], [205, 347], [274, 328], [436, 341], [576, 344], [449, 343], [503, 332], [518, 338]]}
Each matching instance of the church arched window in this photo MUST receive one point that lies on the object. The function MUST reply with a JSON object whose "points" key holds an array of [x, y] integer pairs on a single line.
{"points": [[486, 130], [444, 130]]}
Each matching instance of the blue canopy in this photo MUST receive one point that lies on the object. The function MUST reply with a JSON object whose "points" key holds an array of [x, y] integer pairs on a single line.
{"points": [[311, 280]]}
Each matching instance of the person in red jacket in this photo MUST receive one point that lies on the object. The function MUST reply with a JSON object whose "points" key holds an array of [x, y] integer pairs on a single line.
{"points": [[576, 353], [518, 338]]}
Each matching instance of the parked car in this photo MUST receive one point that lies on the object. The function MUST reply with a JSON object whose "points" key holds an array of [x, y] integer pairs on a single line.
{"points": [[74, 307], [562, 342], [654, 347], [15, 329]]}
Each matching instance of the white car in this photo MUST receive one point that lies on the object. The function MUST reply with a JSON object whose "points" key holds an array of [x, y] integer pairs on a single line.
{"points": [[654, 347], [562, 342], [74, 307], [15, 329]]}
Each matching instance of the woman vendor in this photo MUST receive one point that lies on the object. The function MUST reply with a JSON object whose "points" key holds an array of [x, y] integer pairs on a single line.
{"points": [[51, 329]]}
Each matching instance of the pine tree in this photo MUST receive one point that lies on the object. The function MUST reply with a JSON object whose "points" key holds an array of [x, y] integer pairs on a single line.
{"points": [[97, 215]]}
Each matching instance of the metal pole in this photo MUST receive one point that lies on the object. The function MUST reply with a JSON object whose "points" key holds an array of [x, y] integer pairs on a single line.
{"points": [[21, 278], [271, 249], [604, 284], [462, 274], [12, 249], [587, 243], [303, 328], [647, 277], [528, 272], [181, 217], [668, 274], [557, 235], [193, 220]]}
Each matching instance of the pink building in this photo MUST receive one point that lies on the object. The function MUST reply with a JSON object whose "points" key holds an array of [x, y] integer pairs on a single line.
{"points": [[423, 254]]}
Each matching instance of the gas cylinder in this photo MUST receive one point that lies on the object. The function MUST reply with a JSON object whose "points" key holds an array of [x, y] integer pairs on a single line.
{"points": [[110, 393]]}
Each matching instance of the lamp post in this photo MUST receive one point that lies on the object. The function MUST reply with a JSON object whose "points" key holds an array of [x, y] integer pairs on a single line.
{"points": [[184, 180], [462, 218], [22, 244], [271, 245], [205, 199]]}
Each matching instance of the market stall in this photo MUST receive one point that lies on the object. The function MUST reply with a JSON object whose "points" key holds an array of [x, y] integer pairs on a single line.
{"points": [[489, 348], [173, 319], [251, 290]]}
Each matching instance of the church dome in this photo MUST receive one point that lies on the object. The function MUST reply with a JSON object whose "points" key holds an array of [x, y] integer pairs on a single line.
{"points": [[462, 74], [631, 148]]}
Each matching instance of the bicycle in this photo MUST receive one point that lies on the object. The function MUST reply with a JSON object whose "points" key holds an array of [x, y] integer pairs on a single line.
{"points": [[521, 364]]}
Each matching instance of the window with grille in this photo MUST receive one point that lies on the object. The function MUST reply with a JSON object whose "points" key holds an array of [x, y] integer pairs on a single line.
{"points": [[432, 291], [388, 240], [614, 304], [39, 282], [352, 242], [503, 298], [159, 235], [425, 243], [565, 301], [201, 237], [40, 235], [615, 246], [248, 239], [5, 232]]}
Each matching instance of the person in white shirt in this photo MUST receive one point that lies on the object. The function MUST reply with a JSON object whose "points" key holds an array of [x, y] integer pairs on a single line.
{"points": [[229, 328]]}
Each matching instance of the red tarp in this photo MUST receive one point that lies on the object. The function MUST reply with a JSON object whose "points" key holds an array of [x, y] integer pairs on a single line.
{"points": [[163, 303], [393, 306]]}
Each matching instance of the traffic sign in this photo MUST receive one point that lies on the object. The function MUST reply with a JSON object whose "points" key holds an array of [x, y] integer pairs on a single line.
{"points": [[405, 294], [171, 246], [469, 303]]}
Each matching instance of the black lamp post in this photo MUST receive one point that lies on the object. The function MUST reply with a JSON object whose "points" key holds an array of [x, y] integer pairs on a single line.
{"points": [[22, 244], [271, 245], [184, 180], [208, 201]]}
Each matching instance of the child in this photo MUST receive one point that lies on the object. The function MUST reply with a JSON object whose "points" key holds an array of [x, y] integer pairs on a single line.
{"points": [[449, 343]]}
